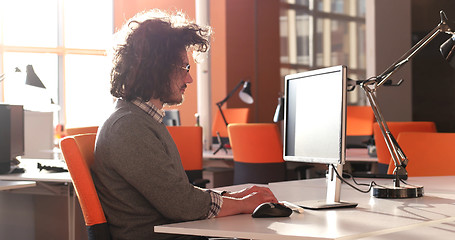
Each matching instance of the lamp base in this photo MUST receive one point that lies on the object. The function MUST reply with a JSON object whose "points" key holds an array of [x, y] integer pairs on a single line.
{"points": [[404, 191]]}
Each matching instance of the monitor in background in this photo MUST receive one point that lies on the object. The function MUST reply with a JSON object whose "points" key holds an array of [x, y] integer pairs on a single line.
{"points": [[11, 135], [315, 125], [171, 117], [39, 135]]}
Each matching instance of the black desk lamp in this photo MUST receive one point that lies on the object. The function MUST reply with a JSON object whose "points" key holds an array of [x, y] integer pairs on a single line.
{"points": [[33, 80], [244, 95], [448, 50], [371, 85], [279, 111]]}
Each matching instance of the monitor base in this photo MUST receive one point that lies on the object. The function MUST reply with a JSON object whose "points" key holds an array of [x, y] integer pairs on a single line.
{"points": [[404, 191], [321, 205]]}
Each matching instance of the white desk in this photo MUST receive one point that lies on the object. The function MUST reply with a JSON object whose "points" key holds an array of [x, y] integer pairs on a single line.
{"points": [[32, 173], [9, 185], [56, 183], [428, 217]]}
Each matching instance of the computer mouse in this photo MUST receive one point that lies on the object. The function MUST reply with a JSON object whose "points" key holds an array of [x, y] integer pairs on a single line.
{"points": [[267, 210]]}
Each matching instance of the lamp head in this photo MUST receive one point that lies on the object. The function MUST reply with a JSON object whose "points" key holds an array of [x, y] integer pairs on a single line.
{"points": [[448, 50], [245, 93], [279, 111], [32, 79]]}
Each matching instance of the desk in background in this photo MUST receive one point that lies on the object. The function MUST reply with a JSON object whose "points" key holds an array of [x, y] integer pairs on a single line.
{"points": [[10, 185], [352, 155], [428, 217], [218, 168], [44, 198]]}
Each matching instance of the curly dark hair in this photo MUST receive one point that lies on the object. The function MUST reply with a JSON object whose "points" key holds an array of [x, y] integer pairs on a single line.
{"points": [[151, 51]]}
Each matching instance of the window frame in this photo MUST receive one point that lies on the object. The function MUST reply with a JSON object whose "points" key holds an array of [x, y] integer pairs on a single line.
{"points": [[61, 52], [292, 66]]}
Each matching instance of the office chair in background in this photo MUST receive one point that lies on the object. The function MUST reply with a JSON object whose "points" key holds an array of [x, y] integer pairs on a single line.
{"points": [[189, 143], [429, 153], [81, 130], [233, 115], [258, 153], [359, 126], [78, 153], [396, 128]]}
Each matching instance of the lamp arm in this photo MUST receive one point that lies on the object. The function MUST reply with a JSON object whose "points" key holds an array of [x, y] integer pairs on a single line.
{"points": [[371, 85], [220, 103], [399, 158], [442, 27]]}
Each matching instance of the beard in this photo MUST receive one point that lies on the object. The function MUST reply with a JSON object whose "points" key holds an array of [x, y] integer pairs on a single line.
{"points": [[174, 101], [175, 98]]}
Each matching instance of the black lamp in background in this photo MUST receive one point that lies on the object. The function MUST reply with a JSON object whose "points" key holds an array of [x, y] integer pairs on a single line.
{"points": [[448, 50], [32, 79], [244, 95], [279, 111]]}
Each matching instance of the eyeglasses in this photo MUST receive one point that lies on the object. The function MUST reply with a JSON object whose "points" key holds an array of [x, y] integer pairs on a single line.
{"points": [[187, 68]]}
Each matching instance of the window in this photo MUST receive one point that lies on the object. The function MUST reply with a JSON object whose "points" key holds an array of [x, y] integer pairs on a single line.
{"points": [[322, 33], [65, 41]]}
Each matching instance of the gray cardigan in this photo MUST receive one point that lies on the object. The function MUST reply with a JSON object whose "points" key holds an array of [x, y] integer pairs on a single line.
{"points": [[139, 176]]}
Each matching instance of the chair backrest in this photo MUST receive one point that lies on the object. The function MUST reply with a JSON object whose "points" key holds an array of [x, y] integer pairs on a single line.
{"points": [[429, 153], [256, 142], [81, 130], [359, 121], [396, 128], [257, 152], [189, 143], [78, 151], [233, 115]]}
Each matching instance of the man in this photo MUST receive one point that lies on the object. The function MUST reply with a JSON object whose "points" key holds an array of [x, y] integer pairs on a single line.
{"points": [[137, 171]]}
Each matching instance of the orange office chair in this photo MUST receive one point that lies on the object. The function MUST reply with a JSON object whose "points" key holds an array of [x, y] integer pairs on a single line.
{"points": [[233, 115], [429, 153], [81, 130], [359, 125], [395, 128], [78, 153], [258, 153], [189, 143]]}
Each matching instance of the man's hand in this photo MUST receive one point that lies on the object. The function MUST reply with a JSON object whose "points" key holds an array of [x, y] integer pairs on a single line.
{"points": [[247, 191], [246, 200]]}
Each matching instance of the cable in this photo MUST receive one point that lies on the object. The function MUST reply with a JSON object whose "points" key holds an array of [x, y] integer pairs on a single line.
{"points": [[370, 185]]}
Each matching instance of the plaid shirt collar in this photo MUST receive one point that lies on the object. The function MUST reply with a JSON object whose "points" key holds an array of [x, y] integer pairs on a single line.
{"points": [[150, 109]]}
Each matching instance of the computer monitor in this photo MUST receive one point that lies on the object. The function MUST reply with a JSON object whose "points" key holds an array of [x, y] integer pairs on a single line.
{"points": [[11, 135], [315, 125], [171, 117]]}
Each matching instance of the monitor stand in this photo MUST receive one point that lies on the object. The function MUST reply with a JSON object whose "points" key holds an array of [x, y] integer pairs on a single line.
{"points": [[333, 193]]}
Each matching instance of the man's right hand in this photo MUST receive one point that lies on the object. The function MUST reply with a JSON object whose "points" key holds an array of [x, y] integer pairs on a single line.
{"points": [[246, 200]]}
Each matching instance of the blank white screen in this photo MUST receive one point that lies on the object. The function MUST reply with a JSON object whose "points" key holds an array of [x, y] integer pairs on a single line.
{"points": [[315, 116]]}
